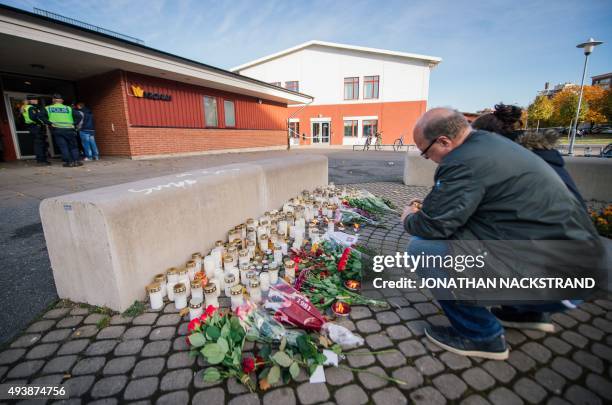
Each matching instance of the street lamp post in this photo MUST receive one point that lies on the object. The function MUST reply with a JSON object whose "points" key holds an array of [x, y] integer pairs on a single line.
{"points": [[588, 49]]}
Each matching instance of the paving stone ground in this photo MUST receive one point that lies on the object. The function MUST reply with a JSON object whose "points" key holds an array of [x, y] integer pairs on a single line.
{"points": [[145, 358]]}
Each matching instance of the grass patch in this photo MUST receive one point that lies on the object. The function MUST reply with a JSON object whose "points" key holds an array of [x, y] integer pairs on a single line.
{"points": [[104, 322], [136, 309]]}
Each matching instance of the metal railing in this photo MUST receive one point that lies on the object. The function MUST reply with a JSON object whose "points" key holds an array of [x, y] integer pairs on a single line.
{"points": [[82, 24], [382, 147]]}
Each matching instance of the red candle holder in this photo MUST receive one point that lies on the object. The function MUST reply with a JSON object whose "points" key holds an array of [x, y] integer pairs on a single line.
{"points": [[341, 309], [352, 285]]}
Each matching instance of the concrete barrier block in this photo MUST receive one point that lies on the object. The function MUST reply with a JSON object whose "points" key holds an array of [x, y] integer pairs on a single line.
{"points": [[418, 171], [593, 176], [106, 244]]}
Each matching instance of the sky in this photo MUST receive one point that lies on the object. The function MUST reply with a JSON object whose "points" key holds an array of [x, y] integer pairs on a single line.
{"points": [[493, 51]]}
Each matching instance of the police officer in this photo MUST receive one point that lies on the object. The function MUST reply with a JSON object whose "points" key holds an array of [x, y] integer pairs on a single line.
{"points": [[61, 119], [32, 118]]}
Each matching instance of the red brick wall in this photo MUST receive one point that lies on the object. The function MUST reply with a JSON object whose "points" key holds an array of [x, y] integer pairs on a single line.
{"points": [[105, 96], [155, 141]]}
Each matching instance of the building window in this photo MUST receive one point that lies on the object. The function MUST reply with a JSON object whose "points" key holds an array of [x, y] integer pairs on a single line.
{"points": [[351, 88], [350, 128], [370, 86], [293, 86], [370, 127], [294, 129], [230, 113], [210, 112]]}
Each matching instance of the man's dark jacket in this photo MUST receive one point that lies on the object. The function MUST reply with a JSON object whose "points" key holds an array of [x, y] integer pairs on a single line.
{"points": [[492, 189]]}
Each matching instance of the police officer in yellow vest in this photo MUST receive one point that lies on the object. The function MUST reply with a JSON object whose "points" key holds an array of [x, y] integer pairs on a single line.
{"points": [[61, 119], [32, 119]]}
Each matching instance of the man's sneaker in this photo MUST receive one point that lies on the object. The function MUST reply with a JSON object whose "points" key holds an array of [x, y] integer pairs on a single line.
{"points": [[85, 159], [449, 339], [78, 163], [524, 320]]}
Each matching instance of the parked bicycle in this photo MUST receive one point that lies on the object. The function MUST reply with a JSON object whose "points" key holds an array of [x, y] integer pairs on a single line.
{"points": [[398, 143], [377, 141]]}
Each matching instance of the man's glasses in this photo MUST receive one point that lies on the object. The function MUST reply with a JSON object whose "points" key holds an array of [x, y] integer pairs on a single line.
{"points": [[423, 154]]}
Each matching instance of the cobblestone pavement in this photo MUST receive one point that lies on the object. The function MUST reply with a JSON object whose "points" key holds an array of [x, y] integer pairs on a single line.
{"points": [[116, 359]]}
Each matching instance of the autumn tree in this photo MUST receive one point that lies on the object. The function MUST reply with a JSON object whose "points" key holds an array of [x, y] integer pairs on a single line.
{"points": [[564, 104], [540, 110]]}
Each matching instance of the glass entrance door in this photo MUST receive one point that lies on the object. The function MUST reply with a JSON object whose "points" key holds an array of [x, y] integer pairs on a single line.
{"points": [[24, 144], [320, 132]]}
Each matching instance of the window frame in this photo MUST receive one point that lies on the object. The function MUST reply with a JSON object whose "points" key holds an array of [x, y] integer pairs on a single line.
{"points": [[225, 113], [293, 132], [354, 129], [297, 85], [369, 123], [277, 84], [206, 124], [355, 87], [375, 79]]}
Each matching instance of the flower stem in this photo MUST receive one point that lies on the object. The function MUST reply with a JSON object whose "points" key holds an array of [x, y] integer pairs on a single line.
{"points": [[384, 377]]}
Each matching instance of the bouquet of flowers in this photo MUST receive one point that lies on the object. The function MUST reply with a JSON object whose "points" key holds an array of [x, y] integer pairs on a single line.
{"points": [[370, 203], [603, 221], [219, 338]]}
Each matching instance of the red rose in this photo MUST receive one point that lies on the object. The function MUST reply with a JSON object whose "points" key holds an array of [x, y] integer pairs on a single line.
{"points": [[187, 340], [210, 310], [194, 325], [248, 365], [259, 361]]}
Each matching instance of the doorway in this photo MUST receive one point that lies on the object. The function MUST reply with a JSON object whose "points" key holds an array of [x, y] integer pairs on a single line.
{"points": [[320, 132], [24, 144]]}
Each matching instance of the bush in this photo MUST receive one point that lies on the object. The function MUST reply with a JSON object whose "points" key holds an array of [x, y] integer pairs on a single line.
{"points": [[603, 221]]}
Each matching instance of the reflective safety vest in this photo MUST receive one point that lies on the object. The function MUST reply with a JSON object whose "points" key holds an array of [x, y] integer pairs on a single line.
{"points": [[60, 116], [26, 115]]}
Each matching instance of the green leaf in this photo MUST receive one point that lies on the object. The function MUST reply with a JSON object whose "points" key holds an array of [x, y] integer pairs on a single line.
{"points": [[197, 339], [294, 369], [274, 375], [265, 351], [213, 353], [283, 344], [213, 332], [282, 359], [226, 329], [336, 348], [211, 375], [223, 344], [264, 373]]}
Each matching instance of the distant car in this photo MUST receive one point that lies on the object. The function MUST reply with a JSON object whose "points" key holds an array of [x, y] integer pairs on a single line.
{"points": [[602, 129], [607, 151]]}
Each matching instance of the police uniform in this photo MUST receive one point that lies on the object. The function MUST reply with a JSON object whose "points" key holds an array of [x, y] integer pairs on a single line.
{"points": [[32, 118], [60, 118]]}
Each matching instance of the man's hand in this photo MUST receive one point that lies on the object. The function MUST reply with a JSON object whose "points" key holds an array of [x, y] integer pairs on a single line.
{"points": [[413, 207]]}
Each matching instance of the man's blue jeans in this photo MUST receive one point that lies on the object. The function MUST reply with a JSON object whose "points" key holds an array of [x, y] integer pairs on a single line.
{"points": [[474, 322], [88, 140]]}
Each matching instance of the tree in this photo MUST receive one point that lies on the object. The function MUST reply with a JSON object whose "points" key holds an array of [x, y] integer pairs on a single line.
{"points": [[540, 109], [595, 97], [565, 103], [606, 105]]}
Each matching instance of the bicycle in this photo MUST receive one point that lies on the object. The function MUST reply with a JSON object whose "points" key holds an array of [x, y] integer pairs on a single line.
{"points": [[398, 143], [366, 145]]}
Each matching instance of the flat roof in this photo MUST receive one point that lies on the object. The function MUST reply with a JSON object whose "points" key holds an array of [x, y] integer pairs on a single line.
{"points": [[289, 94], [431, 59]]}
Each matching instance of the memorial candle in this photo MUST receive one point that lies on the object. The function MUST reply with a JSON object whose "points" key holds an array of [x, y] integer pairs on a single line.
{"points": [[191, 269], [156, 298], [195, 308], [180, 296], [161, 279], [211, 295]]}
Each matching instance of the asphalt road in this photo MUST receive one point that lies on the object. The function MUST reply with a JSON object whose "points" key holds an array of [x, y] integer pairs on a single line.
{"points": [[26, 280]]}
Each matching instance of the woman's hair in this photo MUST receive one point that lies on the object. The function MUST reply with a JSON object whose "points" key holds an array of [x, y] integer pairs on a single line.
{"points": [[505, 120], [546, 139]]}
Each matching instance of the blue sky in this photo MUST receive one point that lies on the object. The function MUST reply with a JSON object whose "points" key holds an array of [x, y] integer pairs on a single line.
{"points": [[492, 50]]}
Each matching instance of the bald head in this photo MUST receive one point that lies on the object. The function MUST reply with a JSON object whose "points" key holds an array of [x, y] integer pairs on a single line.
{"points": [[442, 128]]}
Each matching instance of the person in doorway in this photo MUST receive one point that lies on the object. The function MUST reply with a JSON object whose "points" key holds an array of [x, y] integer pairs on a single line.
{"points": [[478, 197], [85, 126], [61, 119], [32, 119]]}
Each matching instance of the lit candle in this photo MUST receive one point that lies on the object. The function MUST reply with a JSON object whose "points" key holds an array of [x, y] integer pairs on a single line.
{"points": [[264, 281], [244, 269], [243, 257], [278, 254], [191, 269], [251, 276], [197, 257], [195, 309], [209, 266], [183, 277], [155, 295], [255, 291], [196, 289], [290, 270], [219, 281], [230, 281], [180, 296], [228, 263], [273, 273], [263, 242], [172, 280], [161, 279], [251, 248], [236, 297], [211, 295], [216, 254], [282, 227]]}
